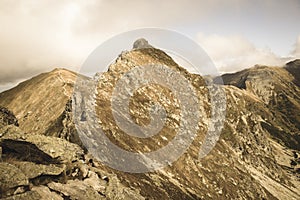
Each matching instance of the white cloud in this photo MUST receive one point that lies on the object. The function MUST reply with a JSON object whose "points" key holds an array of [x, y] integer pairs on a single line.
{"points": [[233, 53], [36, 36]]}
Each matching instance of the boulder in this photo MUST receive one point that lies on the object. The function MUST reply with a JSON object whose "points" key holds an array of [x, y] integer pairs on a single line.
{"points": [[76, 189], [11, 178]]}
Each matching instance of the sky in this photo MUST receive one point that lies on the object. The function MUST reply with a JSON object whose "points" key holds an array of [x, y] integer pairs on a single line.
{"points": [[37, 36]]}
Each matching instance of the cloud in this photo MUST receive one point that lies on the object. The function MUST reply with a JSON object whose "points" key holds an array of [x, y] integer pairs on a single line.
{"points": [[37, 36], [233, 53], [34, 38]]}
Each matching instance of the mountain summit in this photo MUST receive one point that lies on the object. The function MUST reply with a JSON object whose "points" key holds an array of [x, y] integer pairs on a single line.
{"points": [[141, 44]]}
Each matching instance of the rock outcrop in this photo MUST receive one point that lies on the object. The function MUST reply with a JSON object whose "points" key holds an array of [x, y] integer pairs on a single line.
{"points": [[35, 166], [7, 117]]}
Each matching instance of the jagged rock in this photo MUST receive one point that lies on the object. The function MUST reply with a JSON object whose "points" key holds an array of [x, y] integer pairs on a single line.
{"points": [[115, 190], [42, 149], [7, 117], [96, 182], [26, 151], [11, 178], [32, 195], [9, 129], [32, 170], [143, 98], [64, 126], [45, 192], [75, 189]]}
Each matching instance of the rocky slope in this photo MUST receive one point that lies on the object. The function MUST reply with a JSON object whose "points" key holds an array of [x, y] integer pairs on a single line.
{"points": [[35, 166], [255, 158], [278, 88], [43, 104]]}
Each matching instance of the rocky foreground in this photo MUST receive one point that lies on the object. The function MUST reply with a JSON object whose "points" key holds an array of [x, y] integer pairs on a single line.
{"points": [[256, 157]]}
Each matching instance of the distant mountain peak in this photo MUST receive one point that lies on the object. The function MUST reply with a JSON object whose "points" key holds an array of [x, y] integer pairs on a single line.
{"points": [[293, 63], [293, 67]]}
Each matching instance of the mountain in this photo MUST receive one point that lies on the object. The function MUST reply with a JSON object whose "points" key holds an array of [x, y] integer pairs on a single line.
{"points": [[294, 69], [256, 157], [42, 104], [278, 88]]}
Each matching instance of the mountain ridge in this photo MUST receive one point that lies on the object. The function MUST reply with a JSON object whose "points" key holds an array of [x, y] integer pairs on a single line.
{"points": [[278, 89], [248, 161]]}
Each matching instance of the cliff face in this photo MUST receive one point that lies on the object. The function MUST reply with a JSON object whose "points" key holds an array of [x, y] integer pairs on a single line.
{"points": [[256, 156]]}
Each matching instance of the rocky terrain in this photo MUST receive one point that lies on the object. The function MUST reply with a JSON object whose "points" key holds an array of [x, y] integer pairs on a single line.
{"points": [[256, 157], [278, 88]]}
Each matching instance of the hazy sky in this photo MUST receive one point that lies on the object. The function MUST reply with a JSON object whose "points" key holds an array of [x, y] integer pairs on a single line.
{"points": [[38, 35]]}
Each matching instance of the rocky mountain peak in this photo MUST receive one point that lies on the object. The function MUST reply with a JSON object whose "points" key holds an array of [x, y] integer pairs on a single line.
{"points": [[141, 44], [144, 54]]}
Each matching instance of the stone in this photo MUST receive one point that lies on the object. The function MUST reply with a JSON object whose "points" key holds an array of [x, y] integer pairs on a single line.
{"points": [[44, 191], [7, 117], [40, 148], [141, 44], [95, 182], [32, 170], [11, 177], [75, 189], [32, 195]]}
